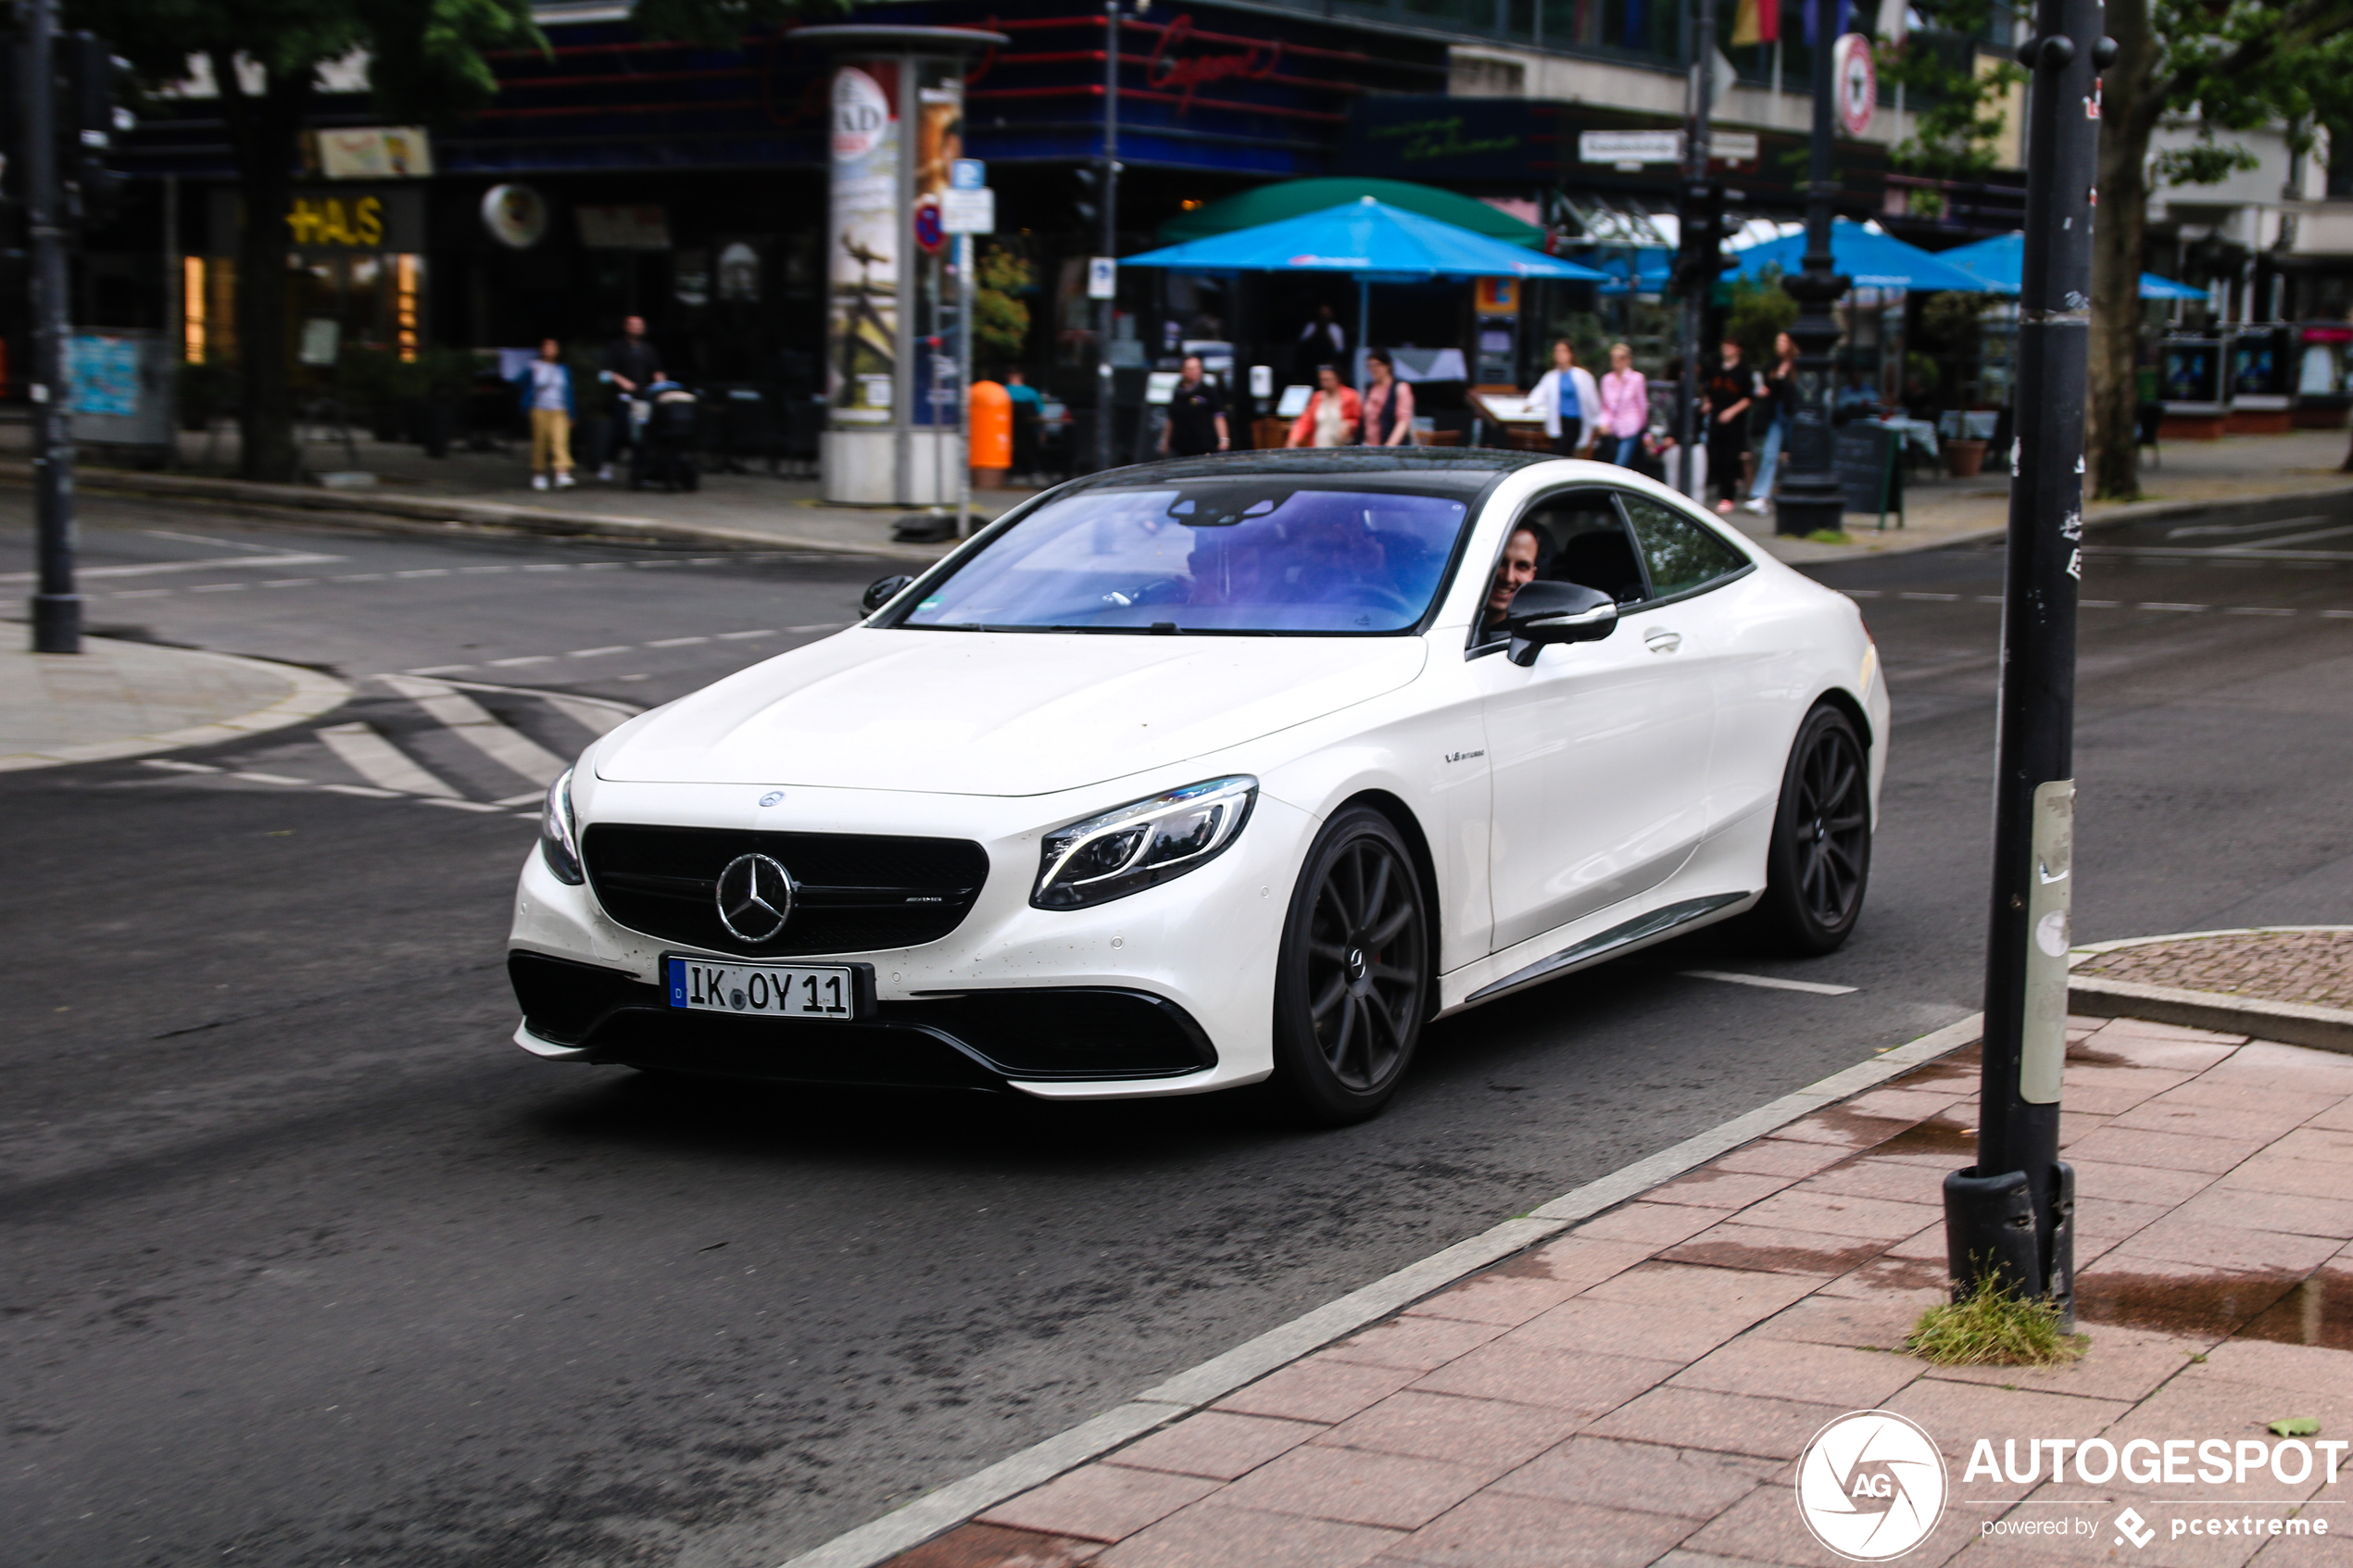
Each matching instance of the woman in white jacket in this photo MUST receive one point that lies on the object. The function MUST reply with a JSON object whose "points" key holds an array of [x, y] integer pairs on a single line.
{"points": [[1570, 401]]}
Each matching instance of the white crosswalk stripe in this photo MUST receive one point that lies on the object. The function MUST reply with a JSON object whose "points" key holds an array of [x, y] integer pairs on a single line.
{"points": [[382, 763], [475, 724]]}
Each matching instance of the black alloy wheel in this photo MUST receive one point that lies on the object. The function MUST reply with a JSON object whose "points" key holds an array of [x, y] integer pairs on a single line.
{"points": [[1819, 863], [1353, 987]]}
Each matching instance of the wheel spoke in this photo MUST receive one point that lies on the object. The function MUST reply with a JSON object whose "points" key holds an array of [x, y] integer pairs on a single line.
{"points": [[1329, 952], [1327, 998], [1388, 931], [1375, 895]]}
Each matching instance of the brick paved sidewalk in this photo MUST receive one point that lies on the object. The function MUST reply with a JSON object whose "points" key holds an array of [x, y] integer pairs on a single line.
{"points": [[1637, 1390], [2312, 966]]}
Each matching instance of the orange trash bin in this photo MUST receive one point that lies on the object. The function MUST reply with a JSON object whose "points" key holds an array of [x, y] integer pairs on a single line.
{"points": [[992, 434]]}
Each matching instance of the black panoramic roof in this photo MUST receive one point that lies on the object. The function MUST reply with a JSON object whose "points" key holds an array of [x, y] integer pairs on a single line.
{"points": [[1446, 470]]}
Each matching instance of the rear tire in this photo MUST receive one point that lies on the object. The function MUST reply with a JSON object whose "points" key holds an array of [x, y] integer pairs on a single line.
{"points": [[1819, 863], [1352, 984]]}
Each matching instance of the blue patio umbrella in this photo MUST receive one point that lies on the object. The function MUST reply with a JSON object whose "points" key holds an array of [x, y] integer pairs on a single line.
{"points": [[2001, 261], [1376, 241], [1870, 260]]}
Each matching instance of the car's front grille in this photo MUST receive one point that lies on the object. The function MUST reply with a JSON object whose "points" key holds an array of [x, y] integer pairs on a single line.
{"points": [[853, 892]]}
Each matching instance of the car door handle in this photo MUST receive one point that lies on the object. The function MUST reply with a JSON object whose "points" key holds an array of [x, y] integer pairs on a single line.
{"points": [[1658, 639]]}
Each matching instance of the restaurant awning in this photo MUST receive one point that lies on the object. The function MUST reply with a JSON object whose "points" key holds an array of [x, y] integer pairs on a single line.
{"points": [[2001, 261]]}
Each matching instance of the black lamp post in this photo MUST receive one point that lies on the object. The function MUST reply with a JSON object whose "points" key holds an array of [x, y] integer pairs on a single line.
{"points": [[1807, 496]]}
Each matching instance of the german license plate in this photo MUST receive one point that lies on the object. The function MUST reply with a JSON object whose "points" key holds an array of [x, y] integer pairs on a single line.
{"points": [[761, 990]]}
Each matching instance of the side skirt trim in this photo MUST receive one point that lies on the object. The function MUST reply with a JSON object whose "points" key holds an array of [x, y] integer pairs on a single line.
{"points": [[1636, 930]]}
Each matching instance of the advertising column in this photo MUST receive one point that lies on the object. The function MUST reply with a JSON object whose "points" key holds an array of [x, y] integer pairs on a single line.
{"points": [[894, 434]]}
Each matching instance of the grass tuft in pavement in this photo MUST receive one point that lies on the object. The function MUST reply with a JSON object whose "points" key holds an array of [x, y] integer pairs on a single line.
{"points": [[1993, 1327], [1830, 537]]}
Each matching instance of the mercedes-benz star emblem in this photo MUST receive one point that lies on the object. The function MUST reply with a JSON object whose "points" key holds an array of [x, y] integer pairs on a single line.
{"points": [[754, 898]]}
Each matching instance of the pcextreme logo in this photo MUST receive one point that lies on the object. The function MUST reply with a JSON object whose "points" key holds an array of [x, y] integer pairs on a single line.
{"points": [[1870, 1486]]}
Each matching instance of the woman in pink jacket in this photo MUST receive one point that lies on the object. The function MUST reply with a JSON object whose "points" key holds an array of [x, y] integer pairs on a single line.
{"points": [[1626, 408]]}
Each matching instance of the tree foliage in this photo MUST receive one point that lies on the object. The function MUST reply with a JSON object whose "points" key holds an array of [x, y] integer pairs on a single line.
{"points": [[2227, 66], [1000, 321], [1957, 107]]}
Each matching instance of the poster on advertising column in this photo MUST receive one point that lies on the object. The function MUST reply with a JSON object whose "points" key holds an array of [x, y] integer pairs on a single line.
{"points": [[862, 325]]}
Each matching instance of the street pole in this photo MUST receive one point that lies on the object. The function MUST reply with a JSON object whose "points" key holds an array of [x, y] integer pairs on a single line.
{"points": [[57, 608], [1696, 148], [1111, 231], [1808, 496], [965, 381], [2011, 1215]]}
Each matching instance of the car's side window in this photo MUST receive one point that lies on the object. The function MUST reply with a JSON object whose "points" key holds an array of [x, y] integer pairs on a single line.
{"points": [[1680, 553], [1580, 540]]}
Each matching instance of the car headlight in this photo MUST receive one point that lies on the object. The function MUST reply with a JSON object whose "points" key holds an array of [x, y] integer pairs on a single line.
{"points": [[1141, 845], [559, 839]]}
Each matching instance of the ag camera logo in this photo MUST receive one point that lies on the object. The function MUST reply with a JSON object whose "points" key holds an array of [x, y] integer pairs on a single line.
{"points": [[1870, 1486]]}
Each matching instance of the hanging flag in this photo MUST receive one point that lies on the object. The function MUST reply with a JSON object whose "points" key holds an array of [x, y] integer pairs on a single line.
{"points": [[1892, 19], [1846, 17], [1759, 21], [1637, 31]]}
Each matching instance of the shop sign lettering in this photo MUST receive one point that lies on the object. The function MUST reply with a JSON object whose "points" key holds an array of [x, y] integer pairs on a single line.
{"points": [[1169, 71], [330, 221]]}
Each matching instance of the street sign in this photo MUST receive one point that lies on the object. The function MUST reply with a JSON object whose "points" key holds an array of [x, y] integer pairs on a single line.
{"points": [[1636, 147], [1857, 83], [929, 232], [968, 211], [1732, 146], [967, 174], [1102, 278]]}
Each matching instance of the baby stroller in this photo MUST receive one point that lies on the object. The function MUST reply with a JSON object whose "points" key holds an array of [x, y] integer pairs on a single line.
{"points": [[664, 453]]}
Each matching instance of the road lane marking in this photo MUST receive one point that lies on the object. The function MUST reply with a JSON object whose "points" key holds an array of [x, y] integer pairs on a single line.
{"points": [[2160, 605], [475, 724], [425, 572], [290, 582], [524, 798], [271, 779], [731, 637], [2250, 609], [220, 589], [154, 568], [364, 791], [2218, 530], [180, 767], [380, 762], [527, 659], [1938, 598], [438, 670], [456, 804], [599, 653], [1772, 983], [677, 642]]}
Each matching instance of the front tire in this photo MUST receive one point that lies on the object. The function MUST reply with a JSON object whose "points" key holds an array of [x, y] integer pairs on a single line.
{"points": [[1819, 863], [1351, 985]]}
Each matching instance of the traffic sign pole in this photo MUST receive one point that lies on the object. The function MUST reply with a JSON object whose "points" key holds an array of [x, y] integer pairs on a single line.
{"points": [[2011, 1215], [56, 606]]}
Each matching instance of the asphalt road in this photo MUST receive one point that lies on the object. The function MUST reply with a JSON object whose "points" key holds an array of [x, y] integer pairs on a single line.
{"points": [[305, 1264]]}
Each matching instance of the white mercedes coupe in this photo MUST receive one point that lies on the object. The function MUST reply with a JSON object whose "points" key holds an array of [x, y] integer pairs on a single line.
{"points": [[1204, 772]]}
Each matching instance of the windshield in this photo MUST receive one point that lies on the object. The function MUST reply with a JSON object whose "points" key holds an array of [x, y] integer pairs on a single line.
{"points": [[1223, 556]]}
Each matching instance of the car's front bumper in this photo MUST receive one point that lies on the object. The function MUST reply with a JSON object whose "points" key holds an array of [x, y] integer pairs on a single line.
{"points": [[1167, 991]]}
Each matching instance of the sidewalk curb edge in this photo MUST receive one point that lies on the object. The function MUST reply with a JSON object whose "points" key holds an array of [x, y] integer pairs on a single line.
{"points": [[313, 695], [1190, 1391], [2294, 1024]]}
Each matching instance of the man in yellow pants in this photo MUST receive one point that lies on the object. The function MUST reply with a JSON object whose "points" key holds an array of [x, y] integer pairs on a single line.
{"points": [[546, 385]]}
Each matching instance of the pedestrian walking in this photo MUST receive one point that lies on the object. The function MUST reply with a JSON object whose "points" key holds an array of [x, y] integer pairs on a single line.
{"points": [[1029, 412], [630, 365], [1331, 415], [545, 387], [1389, 403], [1778, 407], [1196, 415], [1570, 402], [1728, 395], [1625, 409]]}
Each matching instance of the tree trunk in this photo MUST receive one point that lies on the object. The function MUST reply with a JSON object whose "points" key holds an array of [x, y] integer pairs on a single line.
{"points": [[266, 132], [2132, 102]]}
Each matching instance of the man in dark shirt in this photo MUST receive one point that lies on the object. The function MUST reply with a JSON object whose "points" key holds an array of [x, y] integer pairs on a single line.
{"points": [[630, 365], [1729, 393], [1196, 415]]}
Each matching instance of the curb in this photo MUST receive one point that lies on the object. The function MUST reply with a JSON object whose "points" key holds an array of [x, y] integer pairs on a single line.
{"points": [[2295, 1023], [450, 512], [2111, 517], [313, 695], [1177, 1397]]}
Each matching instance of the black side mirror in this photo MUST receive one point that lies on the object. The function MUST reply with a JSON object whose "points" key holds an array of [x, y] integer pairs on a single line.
{"points": [[1556, 613], [882, 591]]}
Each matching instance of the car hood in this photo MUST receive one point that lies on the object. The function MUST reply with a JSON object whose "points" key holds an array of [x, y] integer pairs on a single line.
{"points": [[998, 713]]}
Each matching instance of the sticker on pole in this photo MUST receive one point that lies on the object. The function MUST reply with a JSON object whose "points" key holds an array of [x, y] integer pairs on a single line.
{"points": [[1102, 278], [1870, 1486], [1857, 82]]}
